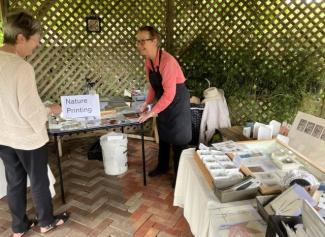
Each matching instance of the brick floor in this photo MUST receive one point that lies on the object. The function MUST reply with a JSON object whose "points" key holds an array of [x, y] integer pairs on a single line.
{"points": [[103, 205]]}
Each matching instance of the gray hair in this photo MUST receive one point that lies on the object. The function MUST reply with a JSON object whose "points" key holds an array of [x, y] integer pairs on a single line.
{"points": [[19, 22]]}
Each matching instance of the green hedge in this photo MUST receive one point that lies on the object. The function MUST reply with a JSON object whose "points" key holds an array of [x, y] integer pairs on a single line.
{"points": [[248, 77]]}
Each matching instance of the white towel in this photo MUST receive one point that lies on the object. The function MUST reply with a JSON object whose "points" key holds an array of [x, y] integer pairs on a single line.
{"points": [[215, 115]]}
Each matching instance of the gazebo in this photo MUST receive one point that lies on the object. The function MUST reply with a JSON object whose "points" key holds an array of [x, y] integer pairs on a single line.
{"points": [[268, 56]]}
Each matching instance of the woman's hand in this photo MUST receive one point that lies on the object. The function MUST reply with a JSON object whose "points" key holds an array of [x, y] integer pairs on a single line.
{"points": [[312, 189], [55, 109], [143, 107], [145, 116]]}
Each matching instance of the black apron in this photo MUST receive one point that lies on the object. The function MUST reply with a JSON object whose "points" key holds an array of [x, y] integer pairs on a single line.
{"points": [[174, 122]]}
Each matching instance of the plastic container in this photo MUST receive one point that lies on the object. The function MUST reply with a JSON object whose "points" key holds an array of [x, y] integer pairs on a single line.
{"points": [[114, 149]]}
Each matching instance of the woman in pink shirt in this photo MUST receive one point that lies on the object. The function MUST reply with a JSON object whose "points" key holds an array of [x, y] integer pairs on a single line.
{"points": [[166, 86]]}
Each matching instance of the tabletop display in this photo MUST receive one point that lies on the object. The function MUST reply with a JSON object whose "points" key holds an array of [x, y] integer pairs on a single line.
{"points": [[269, 161]]}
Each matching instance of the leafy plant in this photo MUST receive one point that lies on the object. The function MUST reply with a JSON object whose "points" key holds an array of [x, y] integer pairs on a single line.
{"points": [[280, 82], [1, 33]]}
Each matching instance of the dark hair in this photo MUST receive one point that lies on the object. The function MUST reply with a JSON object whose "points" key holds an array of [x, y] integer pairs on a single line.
{"points": [[19, 22], [154, 34]]}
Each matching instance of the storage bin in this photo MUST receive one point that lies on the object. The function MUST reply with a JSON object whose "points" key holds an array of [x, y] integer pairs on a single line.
{"points": [[114, 149]]}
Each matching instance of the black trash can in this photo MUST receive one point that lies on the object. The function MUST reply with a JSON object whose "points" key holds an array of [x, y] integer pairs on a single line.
{"points": [[196, 115], [95, 151]]}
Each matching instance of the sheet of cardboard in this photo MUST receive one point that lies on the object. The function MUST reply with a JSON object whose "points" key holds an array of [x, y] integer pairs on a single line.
{"points": [[307, 136]]}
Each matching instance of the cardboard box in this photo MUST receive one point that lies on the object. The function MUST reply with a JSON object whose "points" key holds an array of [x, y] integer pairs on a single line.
{"points": [[231, 196], [317, 171], [204, 170], [261, 202]]}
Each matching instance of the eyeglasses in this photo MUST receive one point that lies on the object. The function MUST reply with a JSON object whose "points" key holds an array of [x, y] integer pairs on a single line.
{"points": [[142, 41]]}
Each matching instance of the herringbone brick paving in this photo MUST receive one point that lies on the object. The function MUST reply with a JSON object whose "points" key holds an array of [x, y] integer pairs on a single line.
{"points": [[102, 205]]}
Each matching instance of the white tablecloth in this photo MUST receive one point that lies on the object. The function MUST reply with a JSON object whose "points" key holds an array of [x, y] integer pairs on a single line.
{"points": [[3, 182], [204, 212]]}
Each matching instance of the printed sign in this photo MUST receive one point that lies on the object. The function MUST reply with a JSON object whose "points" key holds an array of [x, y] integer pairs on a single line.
{"points": [[79, 106]]}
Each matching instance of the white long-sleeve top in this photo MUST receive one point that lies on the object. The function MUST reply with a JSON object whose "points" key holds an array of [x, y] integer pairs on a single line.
{"points": [[22, 114], [215, 115]]}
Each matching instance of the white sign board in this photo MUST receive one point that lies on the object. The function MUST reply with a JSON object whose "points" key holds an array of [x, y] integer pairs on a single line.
{"points": [[79, 106], [307, 136]]}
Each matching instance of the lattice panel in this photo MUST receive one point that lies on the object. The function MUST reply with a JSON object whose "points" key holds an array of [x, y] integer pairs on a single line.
{"points": [[246, 44], [69, 54], [264, 110], [250, 110], [269, 28], [251, 47]]}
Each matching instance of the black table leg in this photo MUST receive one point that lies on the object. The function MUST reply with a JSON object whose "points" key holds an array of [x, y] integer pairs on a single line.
{"points": [[143, 156], [59, 167]]}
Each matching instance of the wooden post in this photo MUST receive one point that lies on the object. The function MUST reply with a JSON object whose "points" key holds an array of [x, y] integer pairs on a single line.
{"points": [[4, 9], [169, 24]]}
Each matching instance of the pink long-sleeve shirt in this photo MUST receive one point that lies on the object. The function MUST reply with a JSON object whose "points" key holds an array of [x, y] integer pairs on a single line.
{"points": [[171, 74]]}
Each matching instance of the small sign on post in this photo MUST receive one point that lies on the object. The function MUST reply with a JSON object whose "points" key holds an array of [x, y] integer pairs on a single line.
{"points": [[79, 106]]}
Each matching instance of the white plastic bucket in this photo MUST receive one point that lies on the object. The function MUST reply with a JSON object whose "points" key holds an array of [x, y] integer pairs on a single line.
{"points": [[114, 149]]}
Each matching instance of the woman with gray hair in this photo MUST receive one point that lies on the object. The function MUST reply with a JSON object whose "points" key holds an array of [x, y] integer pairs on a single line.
{"points": [[23, 136]]}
